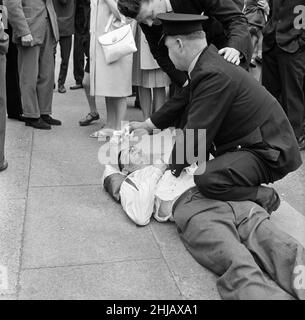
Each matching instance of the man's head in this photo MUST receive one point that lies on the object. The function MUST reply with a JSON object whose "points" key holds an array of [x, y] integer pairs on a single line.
{"points": [[184, 37], [132, 159], [144, 11], [182, 49]]}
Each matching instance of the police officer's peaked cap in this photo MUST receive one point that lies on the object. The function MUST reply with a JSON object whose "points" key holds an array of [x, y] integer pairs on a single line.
{"points": [[180, 23]]}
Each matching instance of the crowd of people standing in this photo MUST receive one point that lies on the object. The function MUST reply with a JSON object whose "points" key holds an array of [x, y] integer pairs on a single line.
{"points": [[235, 27]]}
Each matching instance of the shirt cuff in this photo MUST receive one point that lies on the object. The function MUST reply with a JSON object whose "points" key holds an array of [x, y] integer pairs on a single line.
{"points": [[150, 124]]}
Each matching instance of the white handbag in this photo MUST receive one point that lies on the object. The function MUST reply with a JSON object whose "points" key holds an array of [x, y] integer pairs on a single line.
{"points": [[118, 43]]}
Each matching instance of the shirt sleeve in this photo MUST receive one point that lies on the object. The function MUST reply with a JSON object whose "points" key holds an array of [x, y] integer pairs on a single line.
{"points": [[138, 194]]}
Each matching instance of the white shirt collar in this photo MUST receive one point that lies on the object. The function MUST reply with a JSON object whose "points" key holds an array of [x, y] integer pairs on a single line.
{"points": [[169, 7], [193, 63]]}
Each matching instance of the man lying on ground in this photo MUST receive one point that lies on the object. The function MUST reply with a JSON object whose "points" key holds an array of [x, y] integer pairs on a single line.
{"points": [[235, 240]]}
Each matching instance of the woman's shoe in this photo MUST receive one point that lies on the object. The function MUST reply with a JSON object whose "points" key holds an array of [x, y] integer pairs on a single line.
{"points": [[252, 63], [89, 118], [102, 134], [259, 59]]}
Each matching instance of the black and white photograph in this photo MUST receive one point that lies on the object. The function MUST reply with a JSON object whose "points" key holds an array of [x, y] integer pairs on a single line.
{"points": [[152, 151]]}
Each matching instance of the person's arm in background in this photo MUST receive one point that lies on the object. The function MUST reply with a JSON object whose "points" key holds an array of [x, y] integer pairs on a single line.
{"points": [[112, 4], [18, 21], [235, 25]]}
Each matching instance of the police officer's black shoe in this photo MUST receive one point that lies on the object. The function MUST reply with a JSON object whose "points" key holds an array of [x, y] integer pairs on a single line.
{"points": [[301, 142], [268, 198]]}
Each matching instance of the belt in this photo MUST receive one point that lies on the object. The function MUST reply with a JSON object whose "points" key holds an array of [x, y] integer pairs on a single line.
{"points": [[186, 193]]}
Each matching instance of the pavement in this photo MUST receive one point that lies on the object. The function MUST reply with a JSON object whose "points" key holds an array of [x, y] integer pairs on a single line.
{"points": [[62, 237]]}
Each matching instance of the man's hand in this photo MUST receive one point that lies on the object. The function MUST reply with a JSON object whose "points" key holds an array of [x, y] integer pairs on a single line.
{"points": [[264, 5], [139, 125], [231, 55], [27, 41]]}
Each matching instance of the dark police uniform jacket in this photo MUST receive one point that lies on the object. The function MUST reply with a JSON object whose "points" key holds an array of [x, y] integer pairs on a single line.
{"points": [[236, 111], [281, 28], [227, 27]]}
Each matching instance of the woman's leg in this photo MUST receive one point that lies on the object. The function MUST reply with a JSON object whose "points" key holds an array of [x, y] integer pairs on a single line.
{"points": [[145, 101], [91, 99], [159, 97], [116, 111]]}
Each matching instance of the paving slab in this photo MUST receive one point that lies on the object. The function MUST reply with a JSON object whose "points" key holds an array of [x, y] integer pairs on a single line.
{"points": [[291, 221], [194, 281], [14, 181], [80, 225], [11, 226], [77, 166], [8, 297], [132, 280]]}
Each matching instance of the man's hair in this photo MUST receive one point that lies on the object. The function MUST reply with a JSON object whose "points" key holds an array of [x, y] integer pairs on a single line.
{"points": [[130, 8], [192, 36]]}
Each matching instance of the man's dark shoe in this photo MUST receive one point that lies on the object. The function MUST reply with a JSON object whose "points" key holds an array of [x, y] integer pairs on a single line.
{"points": [[3, 166], [301, 142], [38, 124], [89, 118], [49, 120], [268, 198], [77, 86], [61, 88], [18, 117]]}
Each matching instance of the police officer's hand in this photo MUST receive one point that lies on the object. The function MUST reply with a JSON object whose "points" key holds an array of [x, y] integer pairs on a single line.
{"points": [[27, 41], [139, 125], [231, 55]]}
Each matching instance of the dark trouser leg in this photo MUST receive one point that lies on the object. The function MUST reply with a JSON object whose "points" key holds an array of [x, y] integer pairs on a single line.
{"points": [[271, 79], [212, 238], [65, 50], [78, 59], [2, 106], [45, 80], [277, 252], [292, 72], [13, 95], [234, 176]]}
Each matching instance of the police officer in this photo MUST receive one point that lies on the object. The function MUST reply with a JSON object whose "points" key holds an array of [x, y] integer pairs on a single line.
{"points": [[247, 130]]}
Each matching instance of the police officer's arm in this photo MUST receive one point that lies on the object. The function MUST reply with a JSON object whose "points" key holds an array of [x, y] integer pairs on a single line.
{"points": [[234, 22], [213, 94], [17, 17], [172, 110], [160, 53]]}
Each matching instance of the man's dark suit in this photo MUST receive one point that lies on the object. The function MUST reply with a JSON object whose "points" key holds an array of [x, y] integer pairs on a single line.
{"points": [[13, 95], [81, 39], [65, 10], [251, 136], [226, 27], [283, 72]]}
